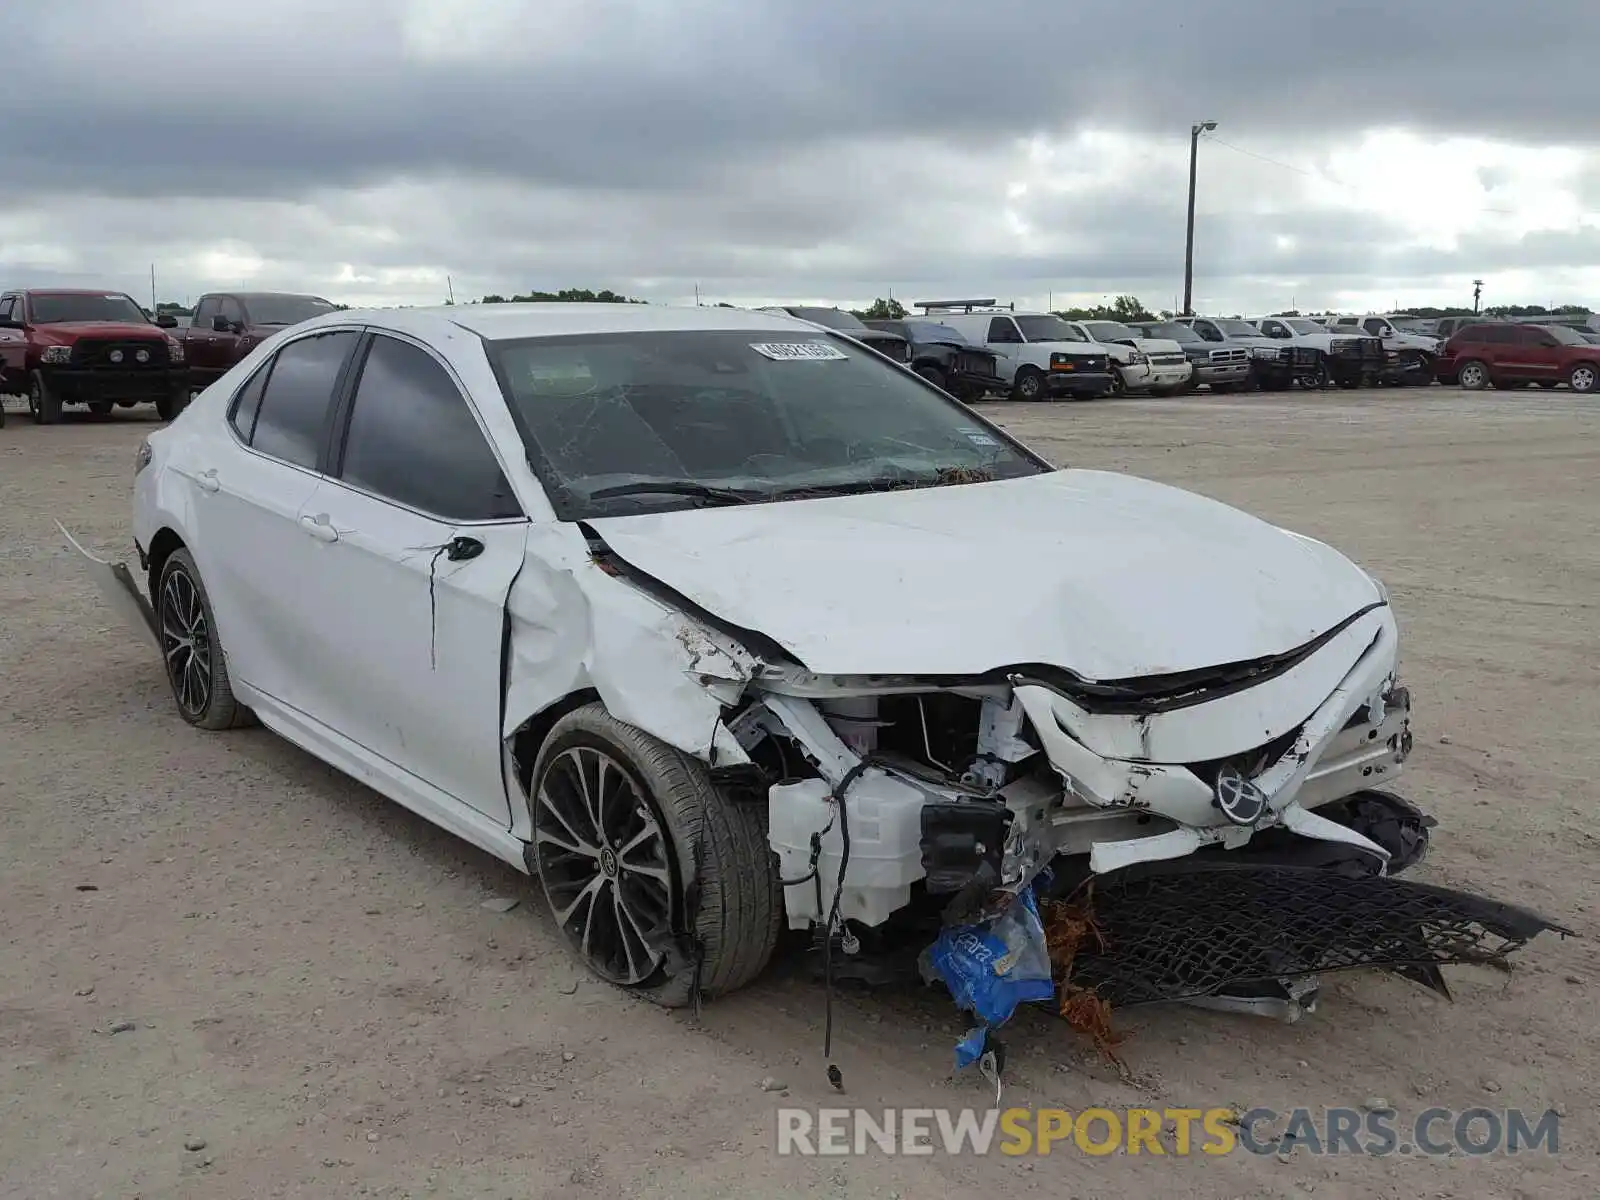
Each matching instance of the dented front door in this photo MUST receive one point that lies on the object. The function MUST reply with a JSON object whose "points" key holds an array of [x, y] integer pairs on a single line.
{"points": [[408, 615]]}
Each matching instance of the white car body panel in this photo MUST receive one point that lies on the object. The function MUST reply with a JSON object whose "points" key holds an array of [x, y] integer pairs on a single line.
{"points": [[1094, 581]]}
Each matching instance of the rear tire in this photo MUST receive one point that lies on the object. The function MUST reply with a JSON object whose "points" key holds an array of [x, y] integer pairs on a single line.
{"points": [[1029, 385], [192, 650], [1584, 377], [1473, 375], [43, 400], [698, 856], [101, 408]]}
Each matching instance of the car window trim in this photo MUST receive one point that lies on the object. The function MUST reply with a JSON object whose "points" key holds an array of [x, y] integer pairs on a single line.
{"points": [[320, 469], [339, 433], [544, 474]]}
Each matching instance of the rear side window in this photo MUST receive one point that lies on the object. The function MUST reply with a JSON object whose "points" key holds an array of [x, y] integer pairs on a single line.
{"points": [[294, 409], [1495, 335], [412, 439], [248, 403]]}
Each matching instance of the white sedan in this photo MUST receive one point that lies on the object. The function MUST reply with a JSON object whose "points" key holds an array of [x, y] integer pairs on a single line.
{"points": [[715, 622]]}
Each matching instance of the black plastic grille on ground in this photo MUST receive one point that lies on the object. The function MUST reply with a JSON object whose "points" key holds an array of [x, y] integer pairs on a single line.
{"points": [[1174, 932]]}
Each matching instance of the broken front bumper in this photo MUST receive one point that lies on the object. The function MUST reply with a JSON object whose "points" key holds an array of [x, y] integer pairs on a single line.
{"points": [[1196, 929]]}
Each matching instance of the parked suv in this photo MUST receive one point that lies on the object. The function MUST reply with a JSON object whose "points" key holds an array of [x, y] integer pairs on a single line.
{"points": [[1040, 356], [1273, 366], [228, 325], [945, 357], [93, 348], [891, 345], [1222, 368], [1506, 354]]}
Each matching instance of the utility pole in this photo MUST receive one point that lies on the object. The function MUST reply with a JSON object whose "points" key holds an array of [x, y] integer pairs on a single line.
{"points": [[1188, 246], [450, 287], [152, 287], [1477, 292]]}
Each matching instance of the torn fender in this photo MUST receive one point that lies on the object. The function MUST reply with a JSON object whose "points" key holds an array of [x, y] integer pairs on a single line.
{"points": [[574, 626], [116, 584]]}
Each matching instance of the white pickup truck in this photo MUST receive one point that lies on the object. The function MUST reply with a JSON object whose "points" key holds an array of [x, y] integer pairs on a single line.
{"points": [[1139, 363]]}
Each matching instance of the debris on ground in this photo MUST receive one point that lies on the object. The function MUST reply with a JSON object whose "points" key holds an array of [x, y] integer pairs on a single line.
{"points": [[1068, 924], [501, 904], [990, 969]]}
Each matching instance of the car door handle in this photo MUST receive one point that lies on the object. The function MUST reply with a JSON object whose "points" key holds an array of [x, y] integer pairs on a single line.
{"points": [[319, 529], [208, 480]]}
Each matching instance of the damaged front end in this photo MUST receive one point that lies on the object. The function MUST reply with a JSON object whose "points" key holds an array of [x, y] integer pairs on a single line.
{"points": [[1228, 839]]}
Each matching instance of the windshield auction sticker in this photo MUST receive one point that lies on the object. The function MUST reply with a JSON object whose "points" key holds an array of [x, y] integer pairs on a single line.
{"points": [[798, 351]]}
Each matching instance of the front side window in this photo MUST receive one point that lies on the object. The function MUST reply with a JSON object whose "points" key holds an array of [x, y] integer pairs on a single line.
{"points": [[294, 409], [230, 308], [412, 439], [203, 313], [55, 308], [1376, 327], [1004, 331], [629, 422]]}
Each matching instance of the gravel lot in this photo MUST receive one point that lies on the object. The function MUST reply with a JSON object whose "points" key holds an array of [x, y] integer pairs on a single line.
{"points": [[316, 993]]}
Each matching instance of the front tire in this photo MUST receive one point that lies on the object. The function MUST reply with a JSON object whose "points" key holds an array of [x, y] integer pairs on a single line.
{"points": [[173, 403], [197, 665], [1473, 375], [101, 408], [44, 402], [1029, 385], [934, 376], [635, 847]]}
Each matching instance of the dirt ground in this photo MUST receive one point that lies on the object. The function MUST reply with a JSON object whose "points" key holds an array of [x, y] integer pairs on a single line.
{"points": [[317, 994]]}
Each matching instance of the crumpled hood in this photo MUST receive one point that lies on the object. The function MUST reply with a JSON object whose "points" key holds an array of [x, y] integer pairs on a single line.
{"points": [[1106, 575]]}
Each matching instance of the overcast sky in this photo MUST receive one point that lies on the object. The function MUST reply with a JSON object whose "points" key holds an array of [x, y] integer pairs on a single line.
{"points": [[1032, 150]]}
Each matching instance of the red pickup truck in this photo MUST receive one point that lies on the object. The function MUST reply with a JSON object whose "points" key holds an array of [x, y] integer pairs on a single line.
{"points": [[228, 325], [69, 346]]}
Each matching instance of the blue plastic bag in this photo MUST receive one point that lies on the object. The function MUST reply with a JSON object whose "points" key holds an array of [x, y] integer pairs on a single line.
{"points": [[992, 968]]}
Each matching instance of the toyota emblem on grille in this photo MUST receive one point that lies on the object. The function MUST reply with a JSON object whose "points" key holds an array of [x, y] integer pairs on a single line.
{"points": [[142, 355], [115, 356], [1240, 800]]}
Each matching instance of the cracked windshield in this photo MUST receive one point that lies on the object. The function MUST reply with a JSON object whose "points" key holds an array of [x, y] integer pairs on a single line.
{"points": [[624, 422]]}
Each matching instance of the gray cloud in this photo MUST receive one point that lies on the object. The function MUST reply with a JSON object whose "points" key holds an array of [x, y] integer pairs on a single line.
{"points": [[834, 149]]}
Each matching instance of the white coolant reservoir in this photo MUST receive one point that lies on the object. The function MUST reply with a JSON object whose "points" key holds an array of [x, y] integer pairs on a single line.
{"points": [[885, 846]]}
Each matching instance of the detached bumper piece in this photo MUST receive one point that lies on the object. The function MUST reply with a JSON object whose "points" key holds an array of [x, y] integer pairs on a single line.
{"points": [[1188, 931]]}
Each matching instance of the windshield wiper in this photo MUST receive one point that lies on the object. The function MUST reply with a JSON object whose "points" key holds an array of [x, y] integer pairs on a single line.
{"points": [[681, 487]]}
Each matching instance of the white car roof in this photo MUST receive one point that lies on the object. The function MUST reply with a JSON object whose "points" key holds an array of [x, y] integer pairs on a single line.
{"points": [[500, 322]]}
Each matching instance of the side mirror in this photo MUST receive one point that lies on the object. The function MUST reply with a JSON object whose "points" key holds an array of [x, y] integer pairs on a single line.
{"points": [[166, 321], [222, 324]]}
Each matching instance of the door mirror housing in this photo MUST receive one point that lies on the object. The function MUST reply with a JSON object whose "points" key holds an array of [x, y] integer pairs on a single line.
{"points": [[166, 321]]}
